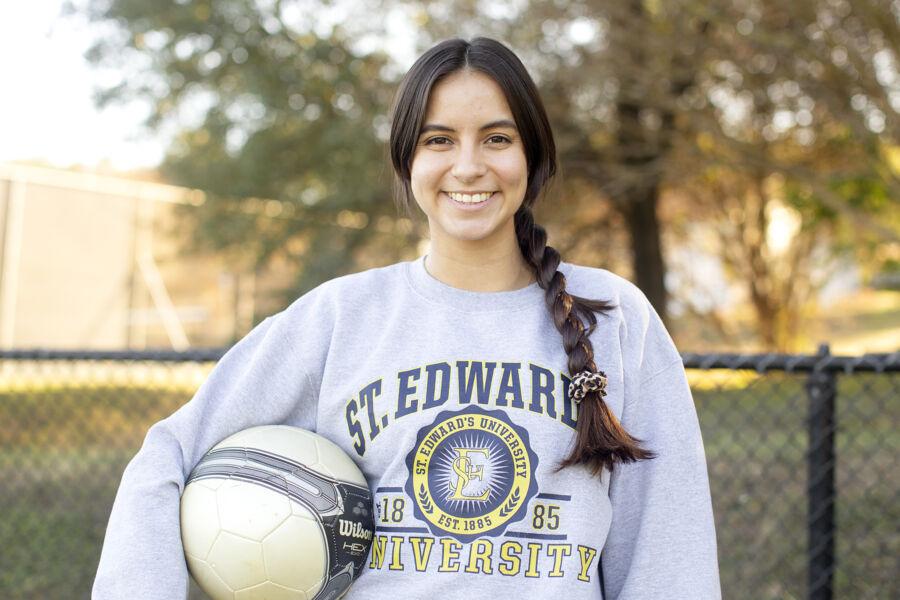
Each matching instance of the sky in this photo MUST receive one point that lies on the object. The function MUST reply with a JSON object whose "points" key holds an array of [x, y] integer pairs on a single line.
{"points": [[46, 109]]}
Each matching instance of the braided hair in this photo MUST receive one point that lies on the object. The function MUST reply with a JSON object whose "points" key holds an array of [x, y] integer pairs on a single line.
{"points": [[600, 440]]}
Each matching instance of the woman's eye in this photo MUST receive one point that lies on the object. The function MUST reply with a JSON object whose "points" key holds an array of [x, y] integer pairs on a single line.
{"points": [[441, 140]]}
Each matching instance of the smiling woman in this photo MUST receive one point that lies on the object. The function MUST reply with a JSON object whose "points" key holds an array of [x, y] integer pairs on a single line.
{"points": [[464, 385]]}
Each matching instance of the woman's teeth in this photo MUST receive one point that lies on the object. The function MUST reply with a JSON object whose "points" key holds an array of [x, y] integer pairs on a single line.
{"points": [[470, 198]]}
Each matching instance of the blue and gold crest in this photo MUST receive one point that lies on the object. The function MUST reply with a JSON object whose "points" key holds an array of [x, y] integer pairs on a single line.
{"points": [[471, 473]]}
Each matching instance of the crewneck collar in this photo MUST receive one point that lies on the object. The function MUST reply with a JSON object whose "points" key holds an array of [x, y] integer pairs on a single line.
{"points": [[426, 285]]}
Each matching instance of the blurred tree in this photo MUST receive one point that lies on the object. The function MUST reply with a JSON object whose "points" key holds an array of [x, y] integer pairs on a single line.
{"points": [[729, 106], [281, 123], [792, 162], [611, 75], [739, 103]]}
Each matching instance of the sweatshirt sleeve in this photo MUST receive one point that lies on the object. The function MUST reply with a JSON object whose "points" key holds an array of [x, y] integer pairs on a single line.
{"points": [[260, 380], [662, 539]]}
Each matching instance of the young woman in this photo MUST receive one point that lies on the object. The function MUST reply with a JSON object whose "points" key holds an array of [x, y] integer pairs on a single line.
{"points": [[522, 445]]}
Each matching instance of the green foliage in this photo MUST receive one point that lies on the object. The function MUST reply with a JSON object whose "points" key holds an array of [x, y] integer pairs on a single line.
{"points": [[644, 98], [265, 109]]}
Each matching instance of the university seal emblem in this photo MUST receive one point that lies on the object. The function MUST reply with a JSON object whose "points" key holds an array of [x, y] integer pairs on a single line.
{"points": [[471, 473]]}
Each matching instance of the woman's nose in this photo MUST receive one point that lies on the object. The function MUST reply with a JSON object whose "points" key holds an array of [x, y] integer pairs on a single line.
{"points": [[469, 163]]}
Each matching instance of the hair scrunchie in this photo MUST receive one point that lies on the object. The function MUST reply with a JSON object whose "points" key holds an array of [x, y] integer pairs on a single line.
{"points": [[587, 381]]}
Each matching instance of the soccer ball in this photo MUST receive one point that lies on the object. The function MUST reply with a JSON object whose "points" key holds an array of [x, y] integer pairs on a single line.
{"points": [[276, 512]]}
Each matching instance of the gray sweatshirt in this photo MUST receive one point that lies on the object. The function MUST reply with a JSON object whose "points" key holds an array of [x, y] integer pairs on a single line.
{"points": [[454, 404]]}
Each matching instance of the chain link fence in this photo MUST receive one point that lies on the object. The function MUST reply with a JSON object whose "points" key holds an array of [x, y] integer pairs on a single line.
{"points": [[802, 454]]}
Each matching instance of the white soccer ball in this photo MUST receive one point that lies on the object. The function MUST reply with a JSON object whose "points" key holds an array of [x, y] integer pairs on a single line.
{"points": [[276, 512]]}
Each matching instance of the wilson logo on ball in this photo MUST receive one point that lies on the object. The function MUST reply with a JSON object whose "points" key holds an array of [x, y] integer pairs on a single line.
{"points": [[354, 529]]}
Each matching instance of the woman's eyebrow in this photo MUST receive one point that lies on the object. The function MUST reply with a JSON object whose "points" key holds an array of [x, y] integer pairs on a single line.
{"points": [[493, 124]]}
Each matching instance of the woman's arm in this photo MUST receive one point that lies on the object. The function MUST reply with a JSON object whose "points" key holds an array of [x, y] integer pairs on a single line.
{"points": [[662, 539], [259, 381]]}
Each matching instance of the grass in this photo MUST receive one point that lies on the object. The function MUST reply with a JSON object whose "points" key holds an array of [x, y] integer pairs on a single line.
{"points": [[62, 453], [63, 449]]}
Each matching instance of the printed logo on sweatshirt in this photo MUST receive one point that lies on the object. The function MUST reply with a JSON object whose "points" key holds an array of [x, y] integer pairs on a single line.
{"points": [[471, 473]]}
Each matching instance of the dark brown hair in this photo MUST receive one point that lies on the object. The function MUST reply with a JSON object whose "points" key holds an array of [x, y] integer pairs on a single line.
{"points": [[600, 440]]}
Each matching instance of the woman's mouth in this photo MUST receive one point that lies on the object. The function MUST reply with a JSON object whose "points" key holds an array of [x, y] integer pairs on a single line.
{"points": [[470, 201]]}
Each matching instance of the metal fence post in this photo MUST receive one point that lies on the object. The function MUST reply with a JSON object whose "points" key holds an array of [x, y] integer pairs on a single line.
{"points": [[821, 389]]}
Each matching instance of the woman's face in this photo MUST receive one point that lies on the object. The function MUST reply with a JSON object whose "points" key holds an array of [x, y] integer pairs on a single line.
{"points": [[469, 150]]}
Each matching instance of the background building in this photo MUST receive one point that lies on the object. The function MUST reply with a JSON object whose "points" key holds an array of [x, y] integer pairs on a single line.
{"points": [[86, 262]]}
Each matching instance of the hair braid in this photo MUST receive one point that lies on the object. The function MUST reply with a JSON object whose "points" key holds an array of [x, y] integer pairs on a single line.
{"points": [[600, 441]]}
